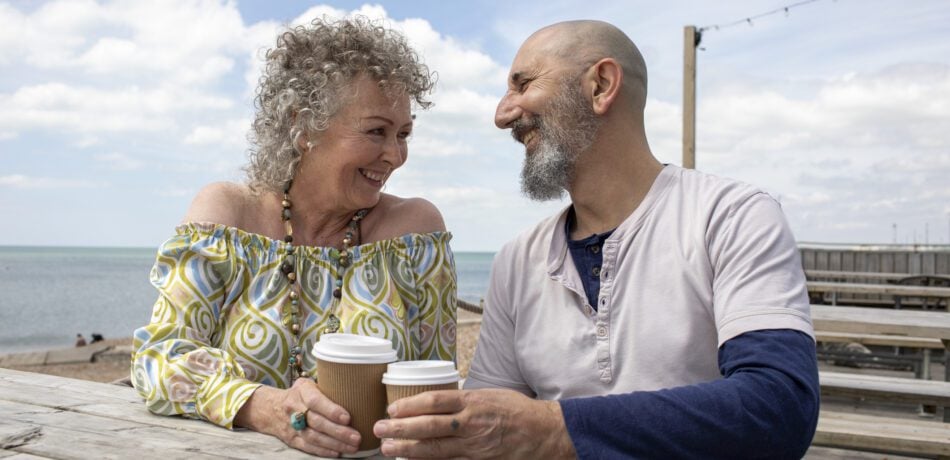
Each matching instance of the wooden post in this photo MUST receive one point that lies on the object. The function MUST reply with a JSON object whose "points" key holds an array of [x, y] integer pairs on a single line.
{"points": [[689, 97]]}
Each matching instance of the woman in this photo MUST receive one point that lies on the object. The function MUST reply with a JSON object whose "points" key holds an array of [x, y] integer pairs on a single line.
{"points": [[255, 274]]}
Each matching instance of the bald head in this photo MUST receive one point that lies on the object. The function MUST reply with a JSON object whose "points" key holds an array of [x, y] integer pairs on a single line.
{"points": [[585, 42]]}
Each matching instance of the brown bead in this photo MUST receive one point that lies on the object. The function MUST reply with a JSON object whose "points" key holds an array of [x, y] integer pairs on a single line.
{"points": [[293, 295], [292, 277], [295, 328], [288, 239], [285, 203], [337, 293]]}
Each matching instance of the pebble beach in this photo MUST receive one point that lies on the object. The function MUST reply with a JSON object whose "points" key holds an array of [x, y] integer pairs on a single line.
{"points": [[113, 363]]}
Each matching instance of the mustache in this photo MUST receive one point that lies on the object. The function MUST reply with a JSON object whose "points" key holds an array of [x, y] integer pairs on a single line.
{"points": [[522, 126]]}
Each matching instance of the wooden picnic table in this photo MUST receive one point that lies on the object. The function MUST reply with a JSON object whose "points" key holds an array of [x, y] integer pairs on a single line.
{"points": [[44, 416], [884, 289]]}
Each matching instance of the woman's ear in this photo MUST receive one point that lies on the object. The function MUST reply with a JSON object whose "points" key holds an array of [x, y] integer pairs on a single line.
{"points": [[604, 78]]}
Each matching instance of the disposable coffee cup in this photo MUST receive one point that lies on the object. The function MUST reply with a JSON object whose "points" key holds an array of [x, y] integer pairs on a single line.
{"points": [[409, 378], [349, 371]]}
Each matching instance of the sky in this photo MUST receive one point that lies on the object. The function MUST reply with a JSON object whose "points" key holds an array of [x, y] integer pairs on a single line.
{"points": [[113, 114]]}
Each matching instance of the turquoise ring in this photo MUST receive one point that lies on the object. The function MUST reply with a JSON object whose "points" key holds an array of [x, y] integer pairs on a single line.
{"points": [[298, 420]]}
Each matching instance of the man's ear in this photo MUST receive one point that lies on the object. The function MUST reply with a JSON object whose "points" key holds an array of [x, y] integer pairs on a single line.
{"points": [[604, 80]]}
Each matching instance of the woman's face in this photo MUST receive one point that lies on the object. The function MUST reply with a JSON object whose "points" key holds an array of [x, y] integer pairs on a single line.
{"points": [[364, 143]]}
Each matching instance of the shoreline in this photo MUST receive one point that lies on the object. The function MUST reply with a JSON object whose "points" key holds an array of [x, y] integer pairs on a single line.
{"points": [[109, 360]]}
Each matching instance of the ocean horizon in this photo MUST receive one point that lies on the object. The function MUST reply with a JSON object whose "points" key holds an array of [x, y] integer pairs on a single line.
{"points": [[52, 293]]}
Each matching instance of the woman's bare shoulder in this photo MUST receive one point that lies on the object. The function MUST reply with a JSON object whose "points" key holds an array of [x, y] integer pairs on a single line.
{"points": [[399, 216], [223, 203]]}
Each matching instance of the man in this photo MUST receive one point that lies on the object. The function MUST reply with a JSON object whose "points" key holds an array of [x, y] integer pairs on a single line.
{"points": [[80, 340], [665, 310]]}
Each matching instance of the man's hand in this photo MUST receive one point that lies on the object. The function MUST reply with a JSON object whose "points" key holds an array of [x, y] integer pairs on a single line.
{"points": [[474, 424]]}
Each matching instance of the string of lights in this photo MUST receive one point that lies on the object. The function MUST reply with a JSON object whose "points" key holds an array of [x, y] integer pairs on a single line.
{"points": [[749, 19]]}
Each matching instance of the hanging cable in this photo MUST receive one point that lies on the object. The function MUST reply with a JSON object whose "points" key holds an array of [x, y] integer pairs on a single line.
{"points": [[749, 20]]}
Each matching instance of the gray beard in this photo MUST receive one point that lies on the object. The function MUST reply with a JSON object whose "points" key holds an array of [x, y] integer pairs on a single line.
{"points": [[548, 172], [567, 132]]}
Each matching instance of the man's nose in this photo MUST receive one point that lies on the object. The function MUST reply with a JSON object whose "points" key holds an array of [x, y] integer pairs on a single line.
{"points": [[507, 111]]}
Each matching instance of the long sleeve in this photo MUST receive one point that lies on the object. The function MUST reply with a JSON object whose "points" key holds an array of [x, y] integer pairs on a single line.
{"points": [[175, 367], [765, 407]]}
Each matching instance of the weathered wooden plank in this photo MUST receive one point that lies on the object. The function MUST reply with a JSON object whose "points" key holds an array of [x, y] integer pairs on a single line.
{"points": [[879, 339], [851, 275], [92, 398], [14, 434], [929, 324], [864, 432], [890, 389], [12, 455], [884, 289], [847, 262], [834, 260], [71, 435]]}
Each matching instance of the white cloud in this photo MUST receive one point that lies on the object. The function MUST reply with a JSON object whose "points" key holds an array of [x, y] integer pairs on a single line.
{"points": [[19, 181], [88, 110], [119, 161], [848, 154], [231, 133]]}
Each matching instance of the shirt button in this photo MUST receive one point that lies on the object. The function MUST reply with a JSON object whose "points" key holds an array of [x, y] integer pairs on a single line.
{"points": [[595, 249], [603, 301], [601, 331], [595, 271]]}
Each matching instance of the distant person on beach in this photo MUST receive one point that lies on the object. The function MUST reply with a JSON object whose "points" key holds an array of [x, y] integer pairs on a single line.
{"points": [[662, 314], [311, 245], [80, 340]]}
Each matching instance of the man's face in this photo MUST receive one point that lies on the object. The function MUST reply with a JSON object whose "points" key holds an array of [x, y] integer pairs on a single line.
{"points": [[557, 137], [547, 112]]}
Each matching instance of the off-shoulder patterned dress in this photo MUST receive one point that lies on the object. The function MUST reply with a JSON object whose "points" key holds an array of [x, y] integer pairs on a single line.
{"points": [[216, 333]]}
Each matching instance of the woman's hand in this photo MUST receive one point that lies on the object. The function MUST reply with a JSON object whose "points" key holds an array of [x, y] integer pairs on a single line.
{"points": [[269, 411]]}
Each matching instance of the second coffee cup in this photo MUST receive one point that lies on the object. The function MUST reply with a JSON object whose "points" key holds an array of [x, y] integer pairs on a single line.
{"points": [[349, 371], [409, 378]]}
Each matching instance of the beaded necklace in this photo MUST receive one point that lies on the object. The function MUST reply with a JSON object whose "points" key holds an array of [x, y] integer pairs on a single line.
{"points": [[291, 311]]}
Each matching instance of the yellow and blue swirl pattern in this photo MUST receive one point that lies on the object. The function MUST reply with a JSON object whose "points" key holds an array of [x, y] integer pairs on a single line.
{"points": [[218, 331]]}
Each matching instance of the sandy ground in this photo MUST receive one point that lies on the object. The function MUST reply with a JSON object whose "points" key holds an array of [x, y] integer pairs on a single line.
{"points": [[114, 368]]}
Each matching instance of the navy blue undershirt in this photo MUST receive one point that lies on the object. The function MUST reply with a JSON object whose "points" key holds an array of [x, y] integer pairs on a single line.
{"points": [[588, 257], [765, 407]]}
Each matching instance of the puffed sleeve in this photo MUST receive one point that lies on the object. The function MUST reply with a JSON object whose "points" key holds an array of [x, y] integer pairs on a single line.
{"points": [[433, 265], [175, 366]]}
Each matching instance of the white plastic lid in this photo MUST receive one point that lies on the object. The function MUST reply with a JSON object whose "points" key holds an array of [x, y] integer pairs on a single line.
{"points": [[420, 373], [354, 349]]}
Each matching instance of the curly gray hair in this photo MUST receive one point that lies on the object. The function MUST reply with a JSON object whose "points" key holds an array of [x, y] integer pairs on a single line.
{"points": [[303, 85]]}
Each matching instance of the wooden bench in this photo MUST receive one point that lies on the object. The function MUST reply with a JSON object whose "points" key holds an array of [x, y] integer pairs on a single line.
{"points": [[879, 339], [882, 434], [879, 433], [921, 364], [853, 276], [891, 389], [836, 289]]}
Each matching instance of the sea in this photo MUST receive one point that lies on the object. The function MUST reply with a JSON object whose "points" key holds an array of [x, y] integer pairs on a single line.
{"points": [[50, 294]]}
